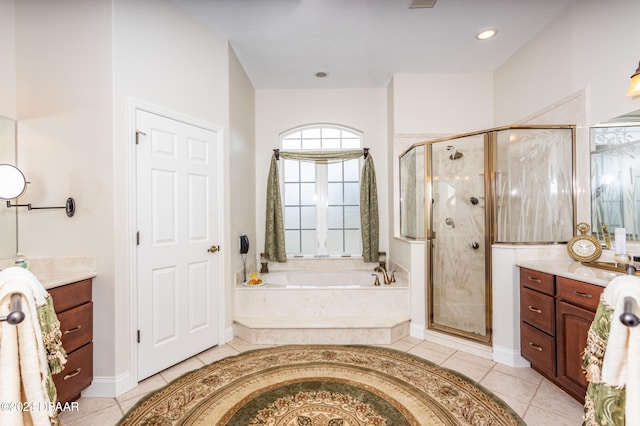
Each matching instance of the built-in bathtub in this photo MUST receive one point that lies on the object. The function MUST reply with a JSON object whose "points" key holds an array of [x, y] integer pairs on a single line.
{"points": [[313, 307]]}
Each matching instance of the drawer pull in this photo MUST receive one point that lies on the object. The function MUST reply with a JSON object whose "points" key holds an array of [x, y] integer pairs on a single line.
{"points": [[536, 310], [73, 330], [534, 346], [535, 280], [585, 295], [78, 370]]}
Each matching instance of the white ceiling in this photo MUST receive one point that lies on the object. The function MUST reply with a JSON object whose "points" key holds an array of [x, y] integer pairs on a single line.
{"points": [[362, 43]]}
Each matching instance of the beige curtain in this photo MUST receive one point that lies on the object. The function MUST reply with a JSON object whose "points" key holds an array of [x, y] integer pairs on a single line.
{"points": [[274, 227], [369, 226], [274, 244]]}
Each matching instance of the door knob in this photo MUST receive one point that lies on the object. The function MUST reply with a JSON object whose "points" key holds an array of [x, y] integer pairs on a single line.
{"points": [[213, 249]]}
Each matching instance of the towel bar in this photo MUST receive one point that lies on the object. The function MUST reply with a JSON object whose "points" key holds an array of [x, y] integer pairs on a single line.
{"points": [[16, 315], [628, 318]]}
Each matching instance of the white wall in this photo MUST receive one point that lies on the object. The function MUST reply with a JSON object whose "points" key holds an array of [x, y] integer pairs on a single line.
{"points": [[593, 44], [362, 109], [8, 55], [64, 111], [242, 176], [442, 103], [165, 58]]}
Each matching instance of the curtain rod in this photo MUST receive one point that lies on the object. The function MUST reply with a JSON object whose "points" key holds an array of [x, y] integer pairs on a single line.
{"points": [[276, 152]]}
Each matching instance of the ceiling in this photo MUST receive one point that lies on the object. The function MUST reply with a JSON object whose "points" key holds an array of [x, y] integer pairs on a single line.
{"points": [[362, 43]]}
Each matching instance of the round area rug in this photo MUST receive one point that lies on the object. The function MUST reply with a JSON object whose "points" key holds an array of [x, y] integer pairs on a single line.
{"points": [[324, 385]]}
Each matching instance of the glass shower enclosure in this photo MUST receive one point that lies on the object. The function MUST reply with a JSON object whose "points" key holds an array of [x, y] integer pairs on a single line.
{"points": [[511, 185]]}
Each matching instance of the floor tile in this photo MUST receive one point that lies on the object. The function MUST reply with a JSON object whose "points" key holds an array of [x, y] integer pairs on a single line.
{"points": [[535, 399], [505, 384]]}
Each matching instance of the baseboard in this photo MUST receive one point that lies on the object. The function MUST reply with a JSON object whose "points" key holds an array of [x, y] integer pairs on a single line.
{"points": [[416, 330], [110, 387], [509, 357], [228, 335]]}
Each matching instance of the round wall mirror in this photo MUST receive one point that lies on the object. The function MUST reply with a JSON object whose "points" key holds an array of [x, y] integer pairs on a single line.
{"points": [[12, 182]]}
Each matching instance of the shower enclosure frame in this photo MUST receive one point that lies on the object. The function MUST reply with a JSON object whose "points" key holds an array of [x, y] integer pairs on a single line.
{"points": [[490, 218]]}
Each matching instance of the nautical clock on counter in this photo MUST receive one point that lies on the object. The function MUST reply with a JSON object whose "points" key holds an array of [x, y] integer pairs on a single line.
{"points": [[583, 247]]}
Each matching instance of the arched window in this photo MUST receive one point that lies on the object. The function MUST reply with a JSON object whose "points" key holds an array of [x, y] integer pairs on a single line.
{"points": [[321, 201]]}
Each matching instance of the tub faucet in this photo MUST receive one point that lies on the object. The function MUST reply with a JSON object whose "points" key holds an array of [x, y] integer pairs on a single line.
{"points": [[384, 274]]}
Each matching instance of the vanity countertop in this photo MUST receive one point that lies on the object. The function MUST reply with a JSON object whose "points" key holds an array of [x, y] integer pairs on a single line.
{"points": [[57, 271], [59, 278], [571, 269]]}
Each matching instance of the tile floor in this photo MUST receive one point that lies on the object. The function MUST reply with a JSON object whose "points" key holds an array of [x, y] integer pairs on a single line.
{"points": [[534, 398]]}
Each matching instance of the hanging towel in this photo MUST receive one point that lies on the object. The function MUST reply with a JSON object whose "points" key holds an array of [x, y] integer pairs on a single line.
{"points": [[25, 372], [620, 367]]}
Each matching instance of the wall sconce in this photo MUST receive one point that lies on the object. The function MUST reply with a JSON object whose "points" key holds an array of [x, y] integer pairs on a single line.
{"points": [[634, 86], [13, 184]]}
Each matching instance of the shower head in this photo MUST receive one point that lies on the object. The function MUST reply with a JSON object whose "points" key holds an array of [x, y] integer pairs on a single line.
{"points": [[455, 154]]}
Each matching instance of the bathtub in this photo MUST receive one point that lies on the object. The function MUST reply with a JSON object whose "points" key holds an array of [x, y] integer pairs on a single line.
{"points": [[320, 279], [322, 307]]}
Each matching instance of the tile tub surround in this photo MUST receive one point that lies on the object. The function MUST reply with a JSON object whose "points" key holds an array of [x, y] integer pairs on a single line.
{"points": [[323, 315]]}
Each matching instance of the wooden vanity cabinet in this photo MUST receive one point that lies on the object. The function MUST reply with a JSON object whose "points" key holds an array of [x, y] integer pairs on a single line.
{"points": [[74, 309], [555, 316]]}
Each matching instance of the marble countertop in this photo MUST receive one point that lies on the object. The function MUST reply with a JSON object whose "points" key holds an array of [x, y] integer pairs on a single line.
{"points": [[57, 271], [56, 279], [571, 269]]}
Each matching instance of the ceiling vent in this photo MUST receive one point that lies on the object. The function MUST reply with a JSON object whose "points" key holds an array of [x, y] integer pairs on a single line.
{"points": [[419, 4]]}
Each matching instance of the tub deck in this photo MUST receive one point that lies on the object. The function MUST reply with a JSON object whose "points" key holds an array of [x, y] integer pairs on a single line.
{"points": [[316, 315]]}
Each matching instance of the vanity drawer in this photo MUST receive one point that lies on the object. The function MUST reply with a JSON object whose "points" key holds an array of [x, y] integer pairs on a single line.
{"points": [[538, 348], [77, 374], [76, 326], [579, 293], [536, 280], [71, 295], [538, 310]]}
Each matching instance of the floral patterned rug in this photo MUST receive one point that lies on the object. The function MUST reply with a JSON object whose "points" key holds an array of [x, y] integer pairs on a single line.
{"points": [[323, 385]]}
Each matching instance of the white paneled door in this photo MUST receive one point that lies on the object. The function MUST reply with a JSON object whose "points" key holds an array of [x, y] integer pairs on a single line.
{"points": [[178, 261]]}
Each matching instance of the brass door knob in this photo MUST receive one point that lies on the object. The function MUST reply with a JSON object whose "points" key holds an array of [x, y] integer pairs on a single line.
{"points": [[214, 249]]}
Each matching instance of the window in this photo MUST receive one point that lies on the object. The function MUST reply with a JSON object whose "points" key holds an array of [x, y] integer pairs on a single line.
{"points": [[322, 201]]}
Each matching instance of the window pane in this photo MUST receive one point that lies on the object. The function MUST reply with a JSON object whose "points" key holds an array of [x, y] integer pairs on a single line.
{"points": [[335, 242], [352, 242], [291, 194], [307, 193], [352, 217], [334, 172], [311, 133], [292, 217], [351, 193], [307, 171], [294, 135], [330, 132], [309, 244], [291, 171], [330, 143], [311, 144], [351, 143], [308, 217], [292, 241], [336, 217], [352, 170], [291, 144], [348, 134], [335, 193]]}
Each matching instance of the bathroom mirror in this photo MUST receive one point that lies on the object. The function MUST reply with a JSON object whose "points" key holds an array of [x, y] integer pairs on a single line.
{"points": [[615, 178], [412, 174], [8, 216]]}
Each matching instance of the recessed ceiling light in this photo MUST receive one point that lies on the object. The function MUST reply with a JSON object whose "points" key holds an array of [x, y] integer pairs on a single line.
{"points": [[486, 34], [321, 74]]}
